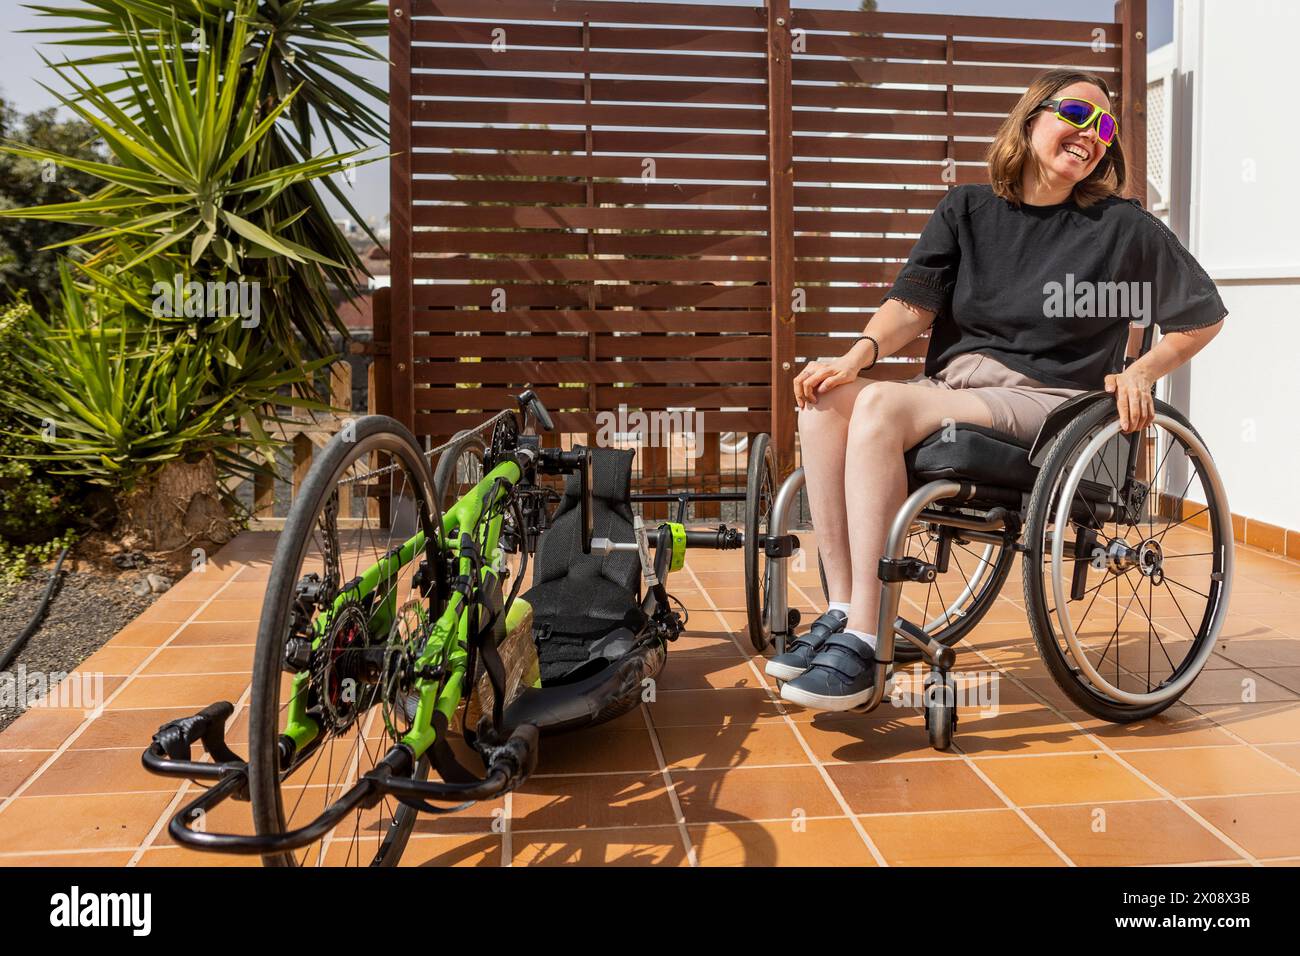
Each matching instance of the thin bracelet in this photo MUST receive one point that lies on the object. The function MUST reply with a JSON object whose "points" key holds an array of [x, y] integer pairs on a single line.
{"points": [[875, 350]]}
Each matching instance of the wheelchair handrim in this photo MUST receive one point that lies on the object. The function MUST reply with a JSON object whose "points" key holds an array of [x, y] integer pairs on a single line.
{"points": [[1186, 673]]}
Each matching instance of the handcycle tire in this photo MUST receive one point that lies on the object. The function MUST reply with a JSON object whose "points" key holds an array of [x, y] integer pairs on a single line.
{"points": [[370, 434]]}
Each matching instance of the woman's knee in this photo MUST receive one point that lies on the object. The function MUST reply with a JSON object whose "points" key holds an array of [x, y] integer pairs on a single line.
{"points": [[878, 409], [832, 410]]}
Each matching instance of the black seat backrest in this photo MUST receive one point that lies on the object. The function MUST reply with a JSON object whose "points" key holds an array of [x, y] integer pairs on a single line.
{"points": [[559, 552]]}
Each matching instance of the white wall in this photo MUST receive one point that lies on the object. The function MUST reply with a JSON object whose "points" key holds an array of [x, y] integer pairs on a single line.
{"points": [[1234, 203]]}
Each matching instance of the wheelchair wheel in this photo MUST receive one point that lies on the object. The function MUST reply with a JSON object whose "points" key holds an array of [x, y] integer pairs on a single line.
{"points": [[760, 494], [1128, 562], [352, 686], [960, 595], [940, 701]]}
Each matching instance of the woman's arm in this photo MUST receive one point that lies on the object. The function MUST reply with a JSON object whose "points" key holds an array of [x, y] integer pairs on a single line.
{"points": [[895, 324], [1132, 387]]}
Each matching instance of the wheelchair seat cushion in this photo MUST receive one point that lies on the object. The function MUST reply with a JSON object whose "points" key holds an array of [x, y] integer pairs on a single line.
{"points": [[972, 453], [580, 600]]}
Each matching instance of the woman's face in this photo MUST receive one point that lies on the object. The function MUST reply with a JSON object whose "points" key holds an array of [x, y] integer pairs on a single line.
{"points": [[1066, 154]]}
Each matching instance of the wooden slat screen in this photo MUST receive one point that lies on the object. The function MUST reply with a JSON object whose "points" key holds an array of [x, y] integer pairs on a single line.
{"points": [[582, 196]]}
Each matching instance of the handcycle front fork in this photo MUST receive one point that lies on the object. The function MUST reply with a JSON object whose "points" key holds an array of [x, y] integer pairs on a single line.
{"points": [[169, 754]]}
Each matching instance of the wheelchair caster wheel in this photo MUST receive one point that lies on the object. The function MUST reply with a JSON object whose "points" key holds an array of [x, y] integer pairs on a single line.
{"points": [[940, 709]]}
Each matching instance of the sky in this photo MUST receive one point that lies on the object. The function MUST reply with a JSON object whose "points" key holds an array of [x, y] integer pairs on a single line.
{"points": [[21, 79]]}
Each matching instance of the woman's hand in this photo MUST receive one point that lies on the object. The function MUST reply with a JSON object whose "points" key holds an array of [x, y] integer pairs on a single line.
{"points": [[1133, 401], [820, 377]]}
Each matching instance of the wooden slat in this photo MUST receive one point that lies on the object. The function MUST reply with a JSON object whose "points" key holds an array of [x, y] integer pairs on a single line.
{"points": [[876, 71], [672, 167], [663, 270], [571, 88], [559, 243], [573, 217], [578, 61], [603, 11], [603, 167], [703, 396], [435, 423], [590, 320], [641, 142], [551, 373], [1071, 31], [645, 296], [602, 37]]}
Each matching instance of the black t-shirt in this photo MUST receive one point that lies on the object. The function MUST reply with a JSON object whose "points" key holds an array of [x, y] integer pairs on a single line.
{"points": [[1049, 291]]}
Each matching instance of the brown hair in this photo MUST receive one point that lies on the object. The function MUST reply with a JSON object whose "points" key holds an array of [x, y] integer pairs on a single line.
{"points": [[1011, 148]]}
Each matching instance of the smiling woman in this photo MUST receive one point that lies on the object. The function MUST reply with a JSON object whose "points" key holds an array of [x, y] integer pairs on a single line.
{"points": [[988, 277]]}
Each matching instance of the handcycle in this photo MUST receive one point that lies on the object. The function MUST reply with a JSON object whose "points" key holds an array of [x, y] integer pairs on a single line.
{"points": [[359, 678], [1106, 523]]}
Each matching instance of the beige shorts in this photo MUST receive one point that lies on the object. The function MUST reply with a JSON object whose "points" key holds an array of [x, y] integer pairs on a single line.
{"points": [[1017, 403]]}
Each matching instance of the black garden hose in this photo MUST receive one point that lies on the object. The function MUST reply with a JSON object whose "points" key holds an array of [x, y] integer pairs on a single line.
{"points": [[34, 624]]}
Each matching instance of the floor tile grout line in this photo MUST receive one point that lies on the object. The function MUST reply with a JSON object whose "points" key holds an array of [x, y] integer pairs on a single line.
{"points": [[678, 813], [1178, 801], [85, 724], [807, 749], [1104, 747], [507, 843], [1197, 708]]}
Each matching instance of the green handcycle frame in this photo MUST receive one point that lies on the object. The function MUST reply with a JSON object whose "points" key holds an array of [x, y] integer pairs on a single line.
{"points": [[440, 666]]}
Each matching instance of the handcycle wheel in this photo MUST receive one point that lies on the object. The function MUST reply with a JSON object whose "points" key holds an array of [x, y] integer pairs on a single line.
{"points": [[354, 687], [760, 494], [940, 703], [1127, 574], [459, 468]]}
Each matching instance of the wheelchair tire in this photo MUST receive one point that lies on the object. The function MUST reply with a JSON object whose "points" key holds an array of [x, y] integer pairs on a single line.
{"points": [[1095, 693], [760, 494], [940, 704]]}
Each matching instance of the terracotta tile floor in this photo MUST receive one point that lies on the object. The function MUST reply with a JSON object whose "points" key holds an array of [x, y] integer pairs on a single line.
{"points": [[715, 771]]}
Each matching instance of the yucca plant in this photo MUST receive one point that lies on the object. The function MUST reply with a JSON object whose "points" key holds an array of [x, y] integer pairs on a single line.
{"points": [[312, 49], [110, 403], [198, 183]]}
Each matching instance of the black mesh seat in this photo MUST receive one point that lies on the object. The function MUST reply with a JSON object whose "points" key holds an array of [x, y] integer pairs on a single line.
{"points": [[585, 607], [975, 454]]}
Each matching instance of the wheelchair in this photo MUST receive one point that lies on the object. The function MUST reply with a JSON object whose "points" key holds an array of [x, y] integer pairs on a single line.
{"points": [[1127, 554]]}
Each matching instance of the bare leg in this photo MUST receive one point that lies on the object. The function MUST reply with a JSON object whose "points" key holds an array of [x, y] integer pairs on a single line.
{"points": [[888, 418], [823, 435]]}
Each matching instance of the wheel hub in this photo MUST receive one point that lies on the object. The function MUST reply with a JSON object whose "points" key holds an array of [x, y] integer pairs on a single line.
{"points": [[345, 673], [1151, 560]]}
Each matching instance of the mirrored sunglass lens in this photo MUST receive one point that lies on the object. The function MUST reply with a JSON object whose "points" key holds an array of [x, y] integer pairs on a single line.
{"points": [[1106, 128], [1075, 111]]}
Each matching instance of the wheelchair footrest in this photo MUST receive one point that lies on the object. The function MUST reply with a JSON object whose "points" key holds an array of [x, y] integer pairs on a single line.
{"points": [[893, 570]]}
